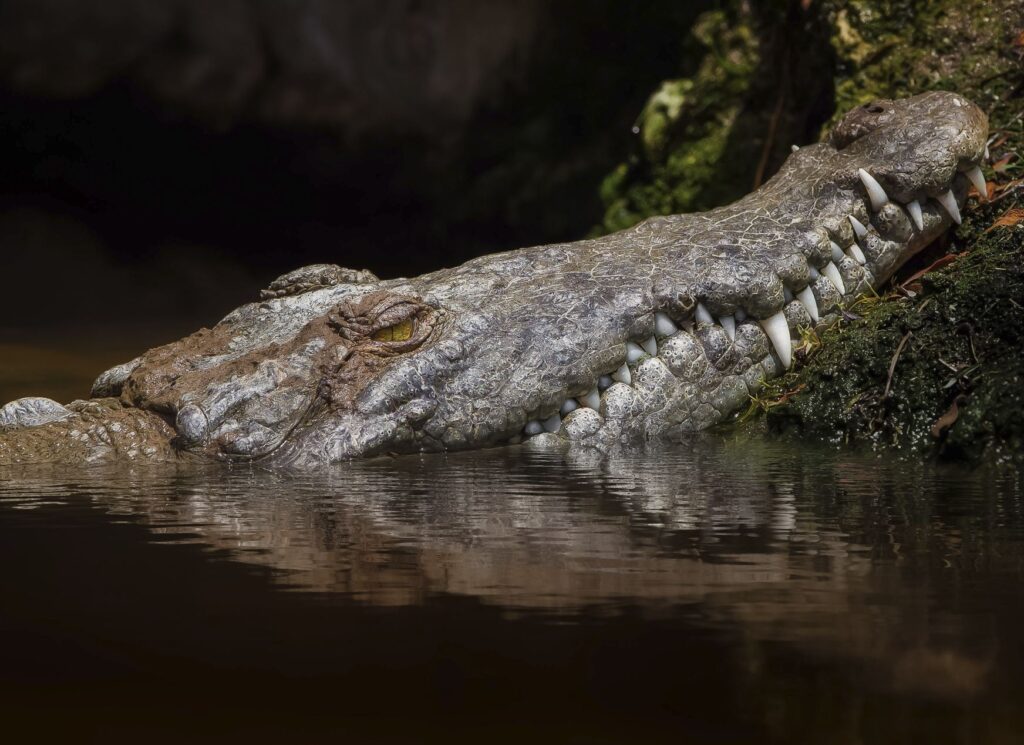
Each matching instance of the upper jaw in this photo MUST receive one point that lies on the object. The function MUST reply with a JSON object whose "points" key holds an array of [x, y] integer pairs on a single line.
{"points": [[839, 222]]}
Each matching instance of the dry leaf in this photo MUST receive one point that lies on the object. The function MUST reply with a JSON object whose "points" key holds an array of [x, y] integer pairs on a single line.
{"points": [[948, 419], [1000, 165], [1008, 219]]}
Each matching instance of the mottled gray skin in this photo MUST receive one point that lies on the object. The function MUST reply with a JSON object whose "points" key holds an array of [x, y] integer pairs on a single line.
{"points": [[505, 340]]}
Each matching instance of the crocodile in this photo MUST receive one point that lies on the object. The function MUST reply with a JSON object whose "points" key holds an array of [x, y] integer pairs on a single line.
{"points": [[659, 330]]}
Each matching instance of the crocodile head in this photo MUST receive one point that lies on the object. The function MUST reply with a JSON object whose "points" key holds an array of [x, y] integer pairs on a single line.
{"points": [[663, 328]]}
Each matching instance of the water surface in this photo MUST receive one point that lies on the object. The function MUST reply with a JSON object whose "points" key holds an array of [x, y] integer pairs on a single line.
{"points": [[716, 592]]}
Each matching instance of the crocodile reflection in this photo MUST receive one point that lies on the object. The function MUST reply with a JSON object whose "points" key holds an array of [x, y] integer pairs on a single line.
{"points": [[772, 543]]}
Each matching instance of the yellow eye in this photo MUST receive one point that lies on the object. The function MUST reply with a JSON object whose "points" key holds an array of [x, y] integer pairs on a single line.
{"points": [[401, 331]]}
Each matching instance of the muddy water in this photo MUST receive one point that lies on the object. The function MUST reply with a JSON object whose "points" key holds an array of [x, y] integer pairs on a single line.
{"points": [[721, 592]]}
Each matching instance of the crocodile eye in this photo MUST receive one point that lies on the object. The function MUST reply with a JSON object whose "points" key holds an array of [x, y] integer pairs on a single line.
{"points": [[401, 331]]}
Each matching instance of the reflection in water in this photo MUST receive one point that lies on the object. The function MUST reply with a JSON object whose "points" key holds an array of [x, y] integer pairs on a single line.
{"points": [[906, 573]]}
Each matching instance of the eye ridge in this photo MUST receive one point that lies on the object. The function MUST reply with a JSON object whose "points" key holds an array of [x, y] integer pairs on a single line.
{"points": [[384, 324]]}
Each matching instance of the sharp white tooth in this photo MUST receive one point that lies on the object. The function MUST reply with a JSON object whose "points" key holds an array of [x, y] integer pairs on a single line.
{"points": [[622, 375], [978, 179], [729, 324], [650, 346], [533, 428], [813, 273], [806, 296], [837, 253], [605, 382], [787, 294], [592, 399], [794, 148], [857, 254], [858, 227], [778, 331], [986, 152], [948, 202], [876, 193], [663, 325], [914, 209], [634, 352], [702, 314], [569, 405], [553, 423], [832, 272]]}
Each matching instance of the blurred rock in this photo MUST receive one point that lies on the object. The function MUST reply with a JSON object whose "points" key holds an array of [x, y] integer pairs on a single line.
{"points": [[359, 66]]}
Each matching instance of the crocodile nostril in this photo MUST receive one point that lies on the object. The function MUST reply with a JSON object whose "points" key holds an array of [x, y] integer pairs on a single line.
{"points": [[874, 108]]}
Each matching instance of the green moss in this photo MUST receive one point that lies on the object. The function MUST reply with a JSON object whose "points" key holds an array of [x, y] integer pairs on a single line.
{"points": [[891, 48]]}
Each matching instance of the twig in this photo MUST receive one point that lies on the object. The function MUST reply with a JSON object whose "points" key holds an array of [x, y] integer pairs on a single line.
{"points": [[895, 359], [1012, 190], [773, 126]]}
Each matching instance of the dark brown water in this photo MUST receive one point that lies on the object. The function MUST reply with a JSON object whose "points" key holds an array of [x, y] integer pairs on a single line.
{"points": [[724, 592]]}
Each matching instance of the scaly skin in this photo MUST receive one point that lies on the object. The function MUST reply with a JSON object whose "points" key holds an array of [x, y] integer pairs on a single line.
{"points": [[490, 351]]}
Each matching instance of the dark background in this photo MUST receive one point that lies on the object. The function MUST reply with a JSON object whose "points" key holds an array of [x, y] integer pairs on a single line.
{"points": [[167, 157], [162, 160]]}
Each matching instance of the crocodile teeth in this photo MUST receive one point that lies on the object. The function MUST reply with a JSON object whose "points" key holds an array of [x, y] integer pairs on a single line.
{"points": [[948, 202], [837, 253], [793, 148], [858, 227], [633, 352], [702, 314], [622, 375], [857, 254], [729, 324], [813, 273], [986, 152], [592, 399], [663, 325], [806, 296], [778, 331], [650, 346], [876, 193], [605, 382], [832, 272], [569, 405], [533, 428], [553, 423], [977, 178], [914, 208]]}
